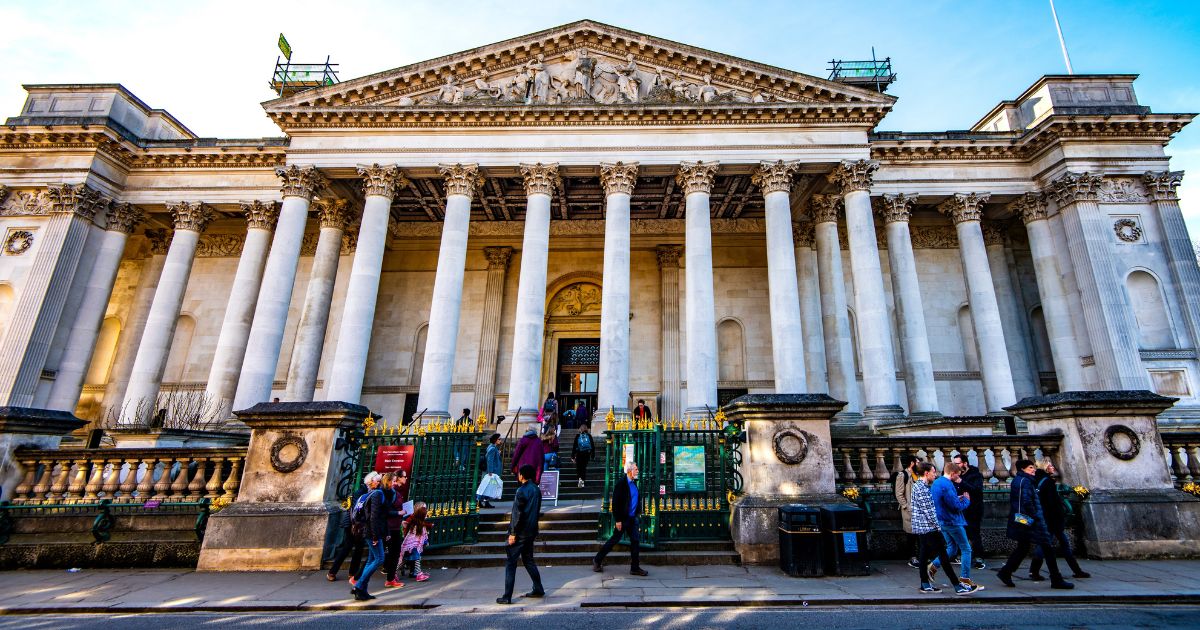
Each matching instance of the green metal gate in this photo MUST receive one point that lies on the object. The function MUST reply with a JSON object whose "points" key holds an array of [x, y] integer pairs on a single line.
{"points": [[445, 472], [688, 472]]}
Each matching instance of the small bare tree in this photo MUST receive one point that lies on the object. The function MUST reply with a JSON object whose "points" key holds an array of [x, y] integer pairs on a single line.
{"points": [[173, 408]]}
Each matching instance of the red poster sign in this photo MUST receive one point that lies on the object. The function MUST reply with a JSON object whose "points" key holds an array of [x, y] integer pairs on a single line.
{"points": [[393, 458]]}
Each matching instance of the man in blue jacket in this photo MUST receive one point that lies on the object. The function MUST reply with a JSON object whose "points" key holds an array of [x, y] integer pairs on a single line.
{"points": [[950, 506]]}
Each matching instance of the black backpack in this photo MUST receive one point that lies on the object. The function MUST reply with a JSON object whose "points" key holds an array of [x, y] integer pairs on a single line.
{"points": [[358, 514]]}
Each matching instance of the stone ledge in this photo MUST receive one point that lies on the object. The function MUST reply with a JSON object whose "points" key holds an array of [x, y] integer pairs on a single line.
{"points": [[302, 415], [33, 421], [1098, 403], [784, 406]]}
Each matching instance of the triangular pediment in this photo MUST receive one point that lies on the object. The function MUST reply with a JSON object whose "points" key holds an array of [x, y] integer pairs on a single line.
{"points": [[584, 63]]}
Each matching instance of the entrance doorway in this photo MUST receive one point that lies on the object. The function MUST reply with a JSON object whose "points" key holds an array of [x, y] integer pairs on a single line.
{"points": [[577, 378]]}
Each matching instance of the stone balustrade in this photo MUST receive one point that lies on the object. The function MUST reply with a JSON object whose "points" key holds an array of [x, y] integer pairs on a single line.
{"points": [[128, 475], [871, 461], [1183, 456]]}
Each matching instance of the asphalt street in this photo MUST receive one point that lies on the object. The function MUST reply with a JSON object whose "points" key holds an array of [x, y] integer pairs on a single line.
{"points": [[966, 617]]}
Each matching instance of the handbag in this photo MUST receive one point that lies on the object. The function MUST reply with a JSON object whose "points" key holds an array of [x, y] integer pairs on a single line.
{"points": [[1020, 518]]}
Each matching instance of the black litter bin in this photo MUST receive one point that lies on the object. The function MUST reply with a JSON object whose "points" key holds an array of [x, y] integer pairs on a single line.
{"points": [[844, 540], [800, 540]]}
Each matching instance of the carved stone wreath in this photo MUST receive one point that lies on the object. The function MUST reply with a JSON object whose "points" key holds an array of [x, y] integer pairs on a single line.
{"points": [[288, 453], [1127, 230], [1122, 442], [791, 445], [18, 242]]}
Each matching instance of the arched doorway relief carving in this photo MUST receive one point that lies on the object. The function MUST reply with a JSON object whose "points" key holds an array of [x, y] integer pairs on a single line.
{"points": [[572, 312]]}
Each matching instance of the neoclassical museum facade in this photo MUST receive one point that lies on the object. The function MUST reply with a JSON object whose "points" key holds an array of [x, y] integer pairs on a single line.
{"points": [[601, 214]]}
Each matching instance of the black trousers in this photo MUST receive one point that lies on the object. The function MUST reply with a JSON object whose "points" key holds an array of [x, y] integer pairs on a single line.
{"points": [[629, 527], [350, 543], [1022, 550], [1064, 545], [392, 557], [932, 545], [522, 551], [974, 525], [581, 463]]}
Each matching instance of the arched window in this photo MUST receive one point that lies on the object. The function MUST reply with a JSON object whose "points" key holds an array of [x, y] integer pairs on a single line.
{"points": [[731, 353], [181, 346], [1154, 326], [966, 330], [418, 356], [8, 301], [1041, 340], [106, 349]]}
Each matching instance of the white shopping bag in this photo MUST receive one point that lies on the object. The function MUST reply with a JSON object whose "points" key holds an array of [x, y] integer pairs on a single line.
{"points": [[490, 487]]}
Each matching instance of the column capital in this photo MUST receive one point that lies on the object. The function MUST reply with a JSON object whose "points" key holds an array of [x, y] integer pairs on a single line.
{"points": [[620, 177], [1072, 187], [1161, 185], [696, 177], [261, 214], [78, 199], [160, 241], [895, 208], [382, 181], [775, 176], [803, 234], [191, 215], [668, 255], [461, 179], [301, 181], [964, 206], [335, 213], [1030, 207], [852, 175], [124, 217], [498, 257], [540, 179], [824, 208]]}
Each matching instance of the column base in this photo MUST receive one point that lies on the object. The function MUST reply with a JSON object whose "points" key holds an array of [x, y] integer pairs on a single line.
{"points": [[877, 412], [700, 412], [269, 537], [924, 415], [1138, 524]]}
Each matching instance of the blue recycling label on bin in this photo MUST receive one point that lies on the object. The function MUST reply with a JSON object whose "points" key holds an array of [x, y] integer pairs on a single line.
{"points": [[850, 542]]}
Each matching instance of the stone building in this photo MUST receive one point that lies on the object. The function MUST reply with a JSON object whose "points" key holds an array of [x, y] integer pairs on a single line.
{"points": [[602, 214]]}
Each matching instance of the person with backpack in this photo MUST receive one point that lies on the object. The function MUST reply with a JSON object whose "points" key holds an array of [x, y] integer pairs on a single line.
{"points": [[395, 493], [351, 543], [369, 515], [902, 484], [1056, 512], [1027, 526], [491, 465], [581, 452], [550, 410], [550, 449]]}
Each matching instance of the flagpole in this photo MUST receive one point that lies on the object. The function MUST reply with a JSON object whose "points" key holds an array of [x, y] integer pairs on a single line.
{"points": [[1061, 42]]}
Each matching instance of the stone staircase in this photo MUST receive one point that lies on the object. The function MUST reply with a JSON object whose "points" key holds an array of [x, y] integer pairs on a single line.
{"points": [[568, 489]]}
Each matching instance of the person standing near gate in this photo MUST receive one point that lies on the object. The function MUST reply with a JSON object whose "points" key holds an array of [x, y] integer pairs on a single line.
{"points": [[522, 530], [641, 413], [581, 452], [626, 507]]}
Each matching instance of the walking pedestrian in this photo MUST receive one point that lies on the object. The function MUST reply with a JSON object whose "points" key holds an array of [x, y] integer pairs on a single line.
{"points": [[626, 507], [949, 505], [930, 543], [641, 413], [971, 482], [351, 544], [416, 537], [1056, 521], [394, 496], [493, 465], [581, 452], [550, 450], [902, 489], [550, 410], [522, 530], [1027, 526], [529, 451], [375, 532]]}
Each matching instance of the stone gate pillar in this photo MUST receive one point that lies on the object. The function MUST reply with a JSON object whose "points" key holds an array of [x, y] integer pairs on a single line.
{"points": [[286, 513]]}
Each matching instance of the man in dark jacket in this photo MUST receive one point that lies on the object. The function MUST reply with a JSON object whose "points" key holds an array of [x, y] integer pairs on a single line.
{"points": [[522, 529], [376, 535], [1027, 526], [971, 482], [626, 507], [349, 544], [1056, 522]]}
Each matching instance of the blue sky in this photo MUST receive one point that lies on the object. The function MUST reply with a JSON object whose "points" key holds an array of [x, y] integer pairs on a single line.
{"points": [[208, 62]]}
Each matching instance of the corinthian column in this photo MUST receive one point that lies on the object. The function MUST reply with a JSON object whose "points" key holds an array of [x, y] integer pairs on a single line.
{"points": [[618, 180], [335, 216], [1184, 273], [146, 377], [525, 378], [437, 372], [835, 315], [489, 334], [1106, 310], [135, 321], [668, 265], [239, 313], [123, 218], [35, 317], [810, 308], [787, 336], [696, 179], [275, 296], [910, 313], [362, 292], [870, 303], [966, 211], [1055, 308]]}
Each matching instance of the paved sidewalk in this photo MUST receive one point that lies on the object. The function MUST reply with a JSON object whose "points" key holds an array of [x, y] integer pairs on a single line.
{"points": [[1168, 582]]}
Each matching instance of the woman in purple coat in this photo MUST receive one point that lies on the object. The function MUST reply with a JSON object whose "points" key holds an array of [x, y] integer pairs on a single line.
{"points": [[529, 450]]}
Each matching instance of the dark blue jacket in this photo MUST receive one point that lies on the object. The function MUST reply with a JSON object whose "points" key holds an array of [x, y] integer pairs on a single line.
{"points": [[620, 500], [1023, 498], [527, 503], [377, 516], [948, 504]]}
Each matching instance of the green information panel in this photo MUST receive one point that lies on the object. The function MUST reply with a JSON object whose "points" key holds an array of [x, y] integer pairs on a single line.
{"points": [[689, 468]]}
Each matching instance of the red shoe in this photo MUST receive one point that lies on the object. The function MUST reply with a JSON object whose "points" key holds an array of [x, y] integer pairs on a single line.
{"points": [[393, 584], [353, 582]]}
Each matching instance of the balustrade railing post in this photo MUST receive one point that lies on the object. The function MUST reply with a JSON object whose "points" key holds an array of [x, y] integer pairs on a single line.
{"points": [[25, 486], [42, 487], [95, 481]]}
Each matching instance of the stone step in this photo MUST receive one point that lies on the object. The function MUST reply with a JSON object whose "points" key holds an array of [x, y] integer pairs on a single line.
{"points": [[544, 526], [501, 533], [617, 562], [501, 514], [588, 545]]}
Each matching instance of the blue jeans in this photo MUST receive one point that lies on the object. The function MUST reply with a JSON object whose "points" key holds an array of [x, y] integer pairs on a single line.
{"points": [[957, 544], [375, 555]]}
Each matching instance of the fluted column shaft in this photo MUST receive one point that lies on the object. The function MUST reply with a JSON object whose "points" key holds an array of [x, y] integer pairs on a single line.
{"points": [[437, 371], [835, 314], [524, 383], [668, 265], [145, 378], [1012, 317], [787, 335], [619, 181], [489, 334], [910, 311], [810, 316], [239, 312], [135, 322], [81, 341], [362, 292], [696, 180], [275, 297]]}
